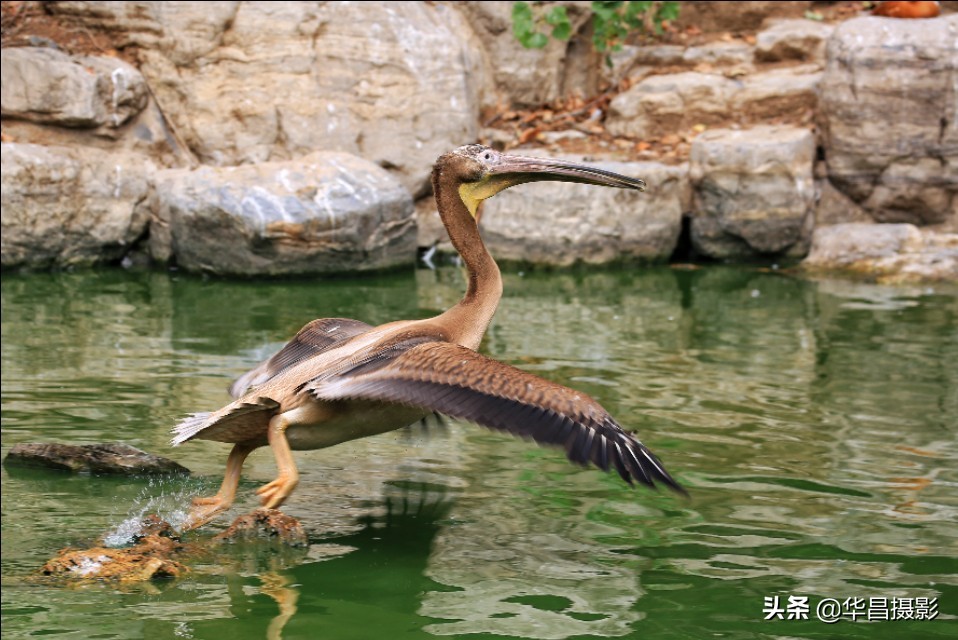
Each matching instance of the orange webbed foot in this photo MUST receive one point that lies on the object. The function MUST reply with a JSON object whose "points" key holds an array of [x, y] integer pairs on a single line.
{"points": [[275, 493]]}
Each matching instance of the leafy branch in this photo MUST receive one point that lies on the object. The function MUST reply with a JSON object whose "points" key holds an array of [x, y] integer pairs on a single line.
{"points": [[612, 23]]}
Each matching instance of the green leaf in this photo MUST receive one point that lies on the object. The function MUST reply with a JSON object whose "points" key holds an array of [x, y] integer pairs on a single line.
{"points": [[534, 40], [668, 11], [557, 16]]}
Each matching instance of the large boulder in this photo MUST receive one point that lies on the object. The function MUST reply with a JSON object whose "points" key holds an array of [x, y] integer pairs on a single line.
{"points": [[889, 98], [247, 82], [888, 253], [558, 223], [48, 86], [70, 206], [327, 212], [753, 192]]}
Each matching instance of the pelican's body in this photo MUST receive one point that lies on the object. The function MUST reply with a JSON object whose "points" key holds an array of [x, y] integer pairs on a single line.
{"points": [[341, 379]]}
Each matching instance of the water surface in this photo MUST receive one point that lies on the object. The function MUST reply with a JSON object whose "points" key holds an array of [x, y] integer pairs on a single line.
{"points": [[813, 423]]}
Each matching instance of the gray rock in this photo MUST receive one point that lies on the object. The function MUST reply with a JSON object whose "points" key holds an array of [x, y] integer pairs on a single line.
{"points": [[753, 191], [889, 253], [669, 102], [561, 224], [326, 212], [46, 85], [70, 206], [793, 40], [777, 93], [108, 458], [888, 105]]}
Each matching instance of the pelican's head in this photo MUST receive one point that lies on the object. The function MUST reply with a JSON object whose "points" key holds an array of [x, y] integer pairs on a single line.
{"points": [[484, 172]]}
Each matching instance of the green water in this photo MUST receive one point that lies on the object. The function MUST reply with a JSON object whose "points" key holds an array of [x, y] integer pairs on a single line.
{"points": [[812, 422]]}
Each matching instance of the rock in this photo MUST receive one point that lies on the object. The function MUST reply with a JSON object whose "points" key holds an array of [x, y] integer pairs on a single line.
{"points": [[120, 565], [324, 213], [248, 82], [46, 85], [777, 93], [888, 104], [523, 77], [67, 206], [719, 54], [753, 192], [660, 55], [793, 40], [272, 524], [561, 223], [713, 17], [888, 253], [150, 558], [670, 102], [108, 458], [834, 207], [430, 231]]}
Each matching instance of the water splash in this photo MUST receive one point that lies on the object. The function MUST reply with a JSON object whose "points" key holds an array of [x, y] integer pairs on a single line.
{"points": [[167, 497]]}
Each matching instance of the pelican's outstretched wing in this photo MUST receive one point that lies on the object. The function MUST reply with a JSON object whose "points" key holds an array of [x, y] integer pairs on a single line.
{"points": [[456, 381], [315, 337]]}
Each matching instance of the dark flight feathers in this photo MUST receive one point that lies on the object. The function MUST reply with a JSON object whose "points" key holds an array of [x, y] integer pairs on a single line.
{"points": [[456, 381]]}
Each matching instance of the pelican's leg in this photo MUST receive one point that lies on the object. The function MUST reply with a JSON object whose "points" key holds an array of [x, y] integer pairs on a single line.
{"points": [[275, 493], [205, 509]]}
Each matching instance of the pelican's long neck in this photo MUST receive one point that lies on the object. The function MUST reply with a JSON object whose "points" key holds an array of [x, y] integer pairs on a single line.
{"points": [[467, 321]]}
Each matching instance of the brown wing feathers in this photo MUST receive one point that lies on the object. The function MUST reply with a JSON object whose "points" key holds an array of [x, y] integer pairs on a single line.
{"points": [[459, 382], [316, 336]]}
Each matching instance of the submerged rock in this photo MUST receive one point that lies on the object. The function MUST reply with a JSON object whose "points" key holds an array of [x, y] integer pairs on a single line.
{"points": [[270, 524], [107, 458], [149, 559], [887, 253]]}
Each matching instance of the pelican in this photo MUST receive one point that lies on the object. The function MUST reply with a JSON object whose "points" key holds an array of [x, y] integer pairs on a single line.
{"points": [[340, 379]]}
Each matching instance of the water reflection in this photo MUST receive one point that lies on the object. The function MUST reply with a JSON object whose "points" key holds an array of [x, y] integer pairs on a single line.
{"points": [[814, 423]]}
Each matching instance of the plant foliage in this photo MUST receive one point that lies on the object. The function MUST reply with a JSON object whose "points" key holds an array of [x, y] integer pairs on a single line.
{"points": [[612, 23]]}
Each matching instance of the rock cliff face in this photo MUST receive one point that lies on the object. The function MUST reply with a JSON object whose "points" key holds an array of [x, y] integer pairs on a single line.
{"points": [[205, 149]]}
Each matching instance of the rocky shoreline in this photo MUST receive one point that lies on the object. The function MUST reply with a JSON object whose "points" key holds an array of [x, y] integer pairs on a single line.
{"points": [[245, 138]]}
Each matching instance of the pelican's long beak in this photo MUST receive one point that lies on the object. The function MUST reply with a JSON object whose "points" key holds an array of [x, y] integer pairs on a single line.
{"points": [[512, 170]]}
